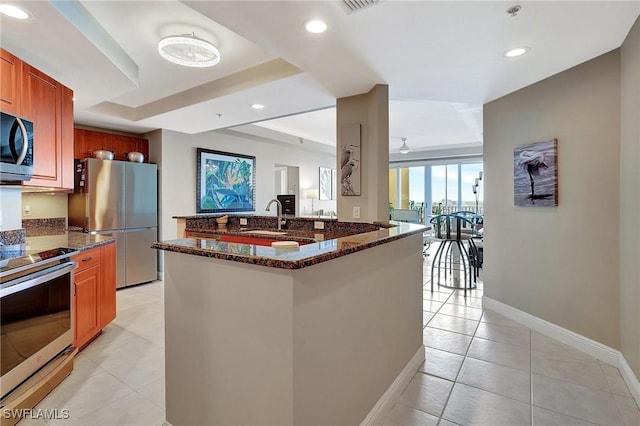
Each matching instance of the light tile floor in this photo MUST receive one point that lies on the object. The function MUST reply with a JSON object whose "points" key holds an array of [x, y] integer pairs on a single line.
{"points": [[480, 369], [119, 378]]}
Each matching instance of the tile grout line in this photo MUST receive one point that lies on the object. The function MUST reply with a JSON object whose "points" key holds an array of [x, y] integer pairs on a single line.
{"points": [[444, 407], [449, 301], [481, 389]]}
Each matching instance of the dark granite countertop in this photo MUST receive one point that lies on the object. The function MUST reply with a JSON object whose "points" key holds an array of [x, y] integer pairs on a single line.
{"points": [[66, 238], [289, 258], [302, 236]]}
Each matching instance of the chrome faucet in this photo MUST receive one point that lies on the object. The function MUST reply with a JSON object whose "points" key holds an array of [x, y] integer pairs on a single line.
{"points": [[279, 210]]}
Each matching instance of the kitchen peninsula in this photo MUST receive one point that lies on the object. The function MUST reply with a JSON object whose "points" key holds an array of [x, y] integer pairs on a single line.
{"points": [[314, 334]]}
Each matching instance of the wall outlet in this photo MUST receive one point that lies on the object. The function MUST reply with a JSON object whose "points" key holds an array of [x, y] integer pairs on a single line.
{"points": [[243, 221], [318, 224], [27, 210], [356, 212]]}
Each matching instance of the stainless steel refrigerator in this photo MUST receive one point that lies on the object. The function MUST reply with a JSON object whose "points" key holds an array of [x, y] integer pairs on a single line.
{"points": [[120, 199]]}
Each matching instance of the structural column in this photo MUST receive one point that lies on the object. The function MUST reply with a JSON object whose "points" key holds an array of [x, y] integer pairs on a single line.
{"points": [[363, 156]]}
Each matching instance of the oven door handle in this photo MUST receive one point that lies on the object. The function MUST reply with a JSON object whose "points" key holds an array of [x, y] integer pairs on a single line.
{"points": [[25, 282]]}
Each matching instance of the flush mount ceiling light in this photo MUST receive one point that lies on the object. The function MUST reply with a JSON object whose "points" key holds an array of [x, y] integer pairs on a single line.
{"points": [[518, 51], [13, 11], [189, 51], [315, 26], [404, 148], [257, 106]]}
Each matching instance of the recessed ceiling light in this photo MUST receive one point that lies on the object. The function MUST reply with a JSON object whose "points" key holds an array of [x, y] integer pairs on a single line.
{"points": [[257, 106], [189, 51], [518, 51], [316, 26], [13, 11]]}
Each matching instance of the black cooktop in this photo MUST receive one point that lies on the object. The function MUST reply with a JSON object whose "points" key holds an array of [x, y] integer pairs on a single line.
{"points": [[16, 257]]}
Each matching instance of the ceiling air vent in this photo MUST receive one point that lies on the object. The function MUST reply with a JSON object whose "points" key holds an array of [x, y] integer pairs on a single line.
{"points": [[352, 6]]}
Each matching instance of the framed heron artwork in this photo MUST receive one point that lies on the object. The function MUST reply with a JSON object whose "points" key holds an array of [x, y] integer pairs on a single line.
{"points": [[349, 161], [535, 174]]}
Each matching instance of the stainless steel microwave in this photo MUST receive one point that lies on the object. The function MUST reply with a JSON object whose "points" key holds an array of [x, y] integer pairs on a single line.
{"points": [[16, 148]]}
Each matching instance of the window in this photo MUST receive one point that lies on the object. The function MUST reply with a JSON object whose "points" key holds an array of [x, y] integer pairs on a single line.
{"points": [[436, 188]]}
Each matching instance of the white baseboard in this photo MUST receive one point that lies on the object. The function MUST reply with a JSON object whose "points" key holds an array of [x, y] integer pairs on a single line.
{"points": [[630, 379], [166, 423], [577, 341], [379, 412], [568, 337]]}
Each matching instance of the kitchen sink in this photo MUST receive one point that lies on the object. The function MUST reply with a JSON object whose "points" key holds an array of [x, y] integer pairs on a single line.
{"points": [[253, 239], [261, 232]]}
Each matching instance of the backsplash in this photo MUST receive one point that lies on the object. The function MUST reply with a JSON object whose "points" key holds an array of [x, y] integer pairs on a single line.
{"points": [[14, 236], [48, 226], [293, 223]]}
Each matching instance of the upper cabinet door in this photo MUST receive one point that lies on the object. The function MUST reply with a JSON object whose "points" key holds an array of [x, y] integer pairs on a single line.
{"points": [[66, 137], [87, 141], [10, 80], [43, 107]]}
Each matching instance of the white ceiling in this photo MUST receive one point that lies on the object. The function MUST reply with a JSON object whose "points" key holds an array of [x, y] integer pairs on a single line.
{"points": [[441, 59], [426, 125]]}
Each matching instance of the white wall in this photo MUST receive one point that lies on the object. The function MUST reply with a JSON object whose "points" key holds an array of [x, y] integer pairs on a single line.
{"points": [[630, 199], [561, 263], [10, 204]]}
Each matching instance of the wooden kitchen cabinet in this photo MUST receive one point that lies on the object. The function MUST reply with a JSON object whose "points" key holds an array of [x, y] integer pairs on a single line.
{"points": [[94, 293], [10, 81], [108, 287], [42, 106], [29, 93], [87, 141], [87, 312]]}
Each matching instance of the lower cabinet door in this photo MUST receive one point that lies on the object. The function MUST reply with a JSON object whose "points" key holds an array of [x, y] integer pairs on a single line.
{"points": [[87, 310]]}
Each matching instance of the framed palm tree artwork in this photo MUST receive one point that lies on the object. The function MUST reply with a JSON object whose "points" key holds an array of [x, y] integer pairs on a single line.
{"points": [[225, 182]]}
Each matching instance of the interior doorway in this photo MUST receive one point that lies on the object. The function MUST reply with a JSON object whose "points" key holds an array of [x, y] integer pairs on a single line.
{"points": [[287, 182]]}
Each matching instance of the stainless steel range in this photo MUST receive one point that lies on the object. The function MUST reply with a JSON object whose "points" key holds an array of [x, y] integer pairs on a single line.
{"points": [[35, 311]]}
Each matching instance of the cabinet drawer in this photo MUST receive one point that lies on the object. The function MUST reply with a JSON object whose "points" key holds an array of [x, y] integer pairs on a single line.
{"points": [[87, 259]]}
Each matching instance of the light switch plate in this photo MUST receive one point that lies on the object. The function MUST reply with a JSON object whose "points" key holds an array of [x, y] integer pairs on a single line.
{"points": [[356, 212], [243, 221], [318, 224]]}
